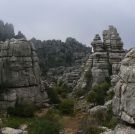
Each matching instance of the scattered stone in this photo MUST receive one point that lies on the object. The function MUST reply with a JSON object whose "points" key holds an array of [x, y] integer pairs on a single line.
{"points": [[8, 130]]}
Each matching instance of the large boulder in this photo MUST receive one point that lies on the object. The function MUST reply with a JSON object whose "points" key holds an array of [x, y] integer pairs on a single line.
{"points": [[124, 100], [19, 74]]}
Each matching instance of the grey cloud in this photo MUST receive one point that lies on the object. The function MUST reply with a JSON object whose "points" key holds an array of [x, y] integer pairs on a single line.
{"points": [[48, 19]]}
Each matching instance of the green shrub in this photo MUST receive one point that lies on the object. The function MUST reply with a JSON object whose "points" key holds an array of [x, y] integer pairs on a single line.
{"points": [[53, 96], [15, 122], [53, 115], [22, 110], [36, 125], [98, 94], [80, 92], [62, 89], [92, 97], [47, 127], [67, 107], [94, 130]]}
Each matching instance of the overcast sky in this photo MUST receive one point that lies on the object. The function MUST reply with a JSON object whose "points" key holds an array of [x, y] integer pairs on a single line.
{"points": [[81, 19]]}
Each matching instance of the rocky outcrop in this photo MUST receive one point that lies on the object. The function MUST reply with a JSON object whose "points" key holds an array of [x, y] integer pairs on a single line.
{"points": [[105, 60], [114, 46], [61, 60], [107, 55], [82, 82], [124, 100], [19, 74]]}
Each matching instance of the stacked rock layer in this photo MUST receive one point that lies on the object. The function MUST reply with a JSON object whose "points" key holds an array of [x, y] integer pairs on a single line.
{"points": [[19, 74]]}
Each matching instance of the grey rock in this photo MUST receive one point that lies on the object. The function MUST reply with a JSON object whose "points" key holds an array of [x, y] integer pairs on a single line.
{"points": [[124, 100], [121, 129], [20, 71], [105, 60], [8, 130], [97, 109]]}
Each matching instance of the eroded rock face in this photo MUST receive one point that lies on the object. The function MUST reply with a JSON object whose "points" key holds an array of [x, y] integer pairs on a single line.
{"points": [[107, 55], [106, 59], [20, 74], [124, 100]]}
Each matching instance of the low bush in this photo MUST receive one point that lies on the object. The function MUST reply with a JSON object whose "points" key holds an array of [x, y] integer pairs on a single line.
{"points": [[53, 96], [67, 107], [62, 89], [35, 125], [80, 92], [53, 115], [22, 110], [98, 94], [47, 127]]}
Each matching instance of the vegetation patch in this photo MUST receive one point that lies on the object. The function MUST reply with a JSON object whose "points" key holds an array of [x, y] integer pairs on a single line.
{"points": [[98, 95], [22, 110], [67, 107], [53, 96]]}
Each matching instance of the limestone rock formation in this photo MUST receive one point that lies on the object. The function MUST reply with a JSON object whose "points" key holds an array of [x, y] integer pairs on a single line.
{"points": [[105, 60], [124, 100], [19, 74], [82, 82], [114, 46], [107, 55], [60, 60]]}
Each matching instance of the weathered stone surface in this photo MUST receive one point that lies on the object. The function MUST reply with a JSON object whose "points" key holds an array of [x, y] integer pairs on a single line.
{"points": [[97, 44], [121, 129], [97, 109], [124, 100], [107, 55], [82, 82], [8, 130], [99, 69], [20, 73], [105, 60]]}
